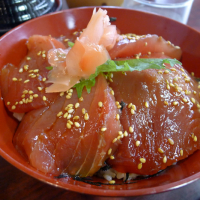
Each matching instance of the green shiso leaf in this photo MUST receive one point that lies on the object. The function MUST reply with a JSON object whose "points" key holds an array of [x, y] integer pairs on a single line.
{"points": [[123, 65], [70, 44], [49, 68]]}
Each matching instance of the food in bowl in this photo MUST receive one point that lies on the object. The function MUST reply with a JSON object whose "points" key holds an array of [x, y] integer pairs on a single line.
{"points": [[138, 122]]}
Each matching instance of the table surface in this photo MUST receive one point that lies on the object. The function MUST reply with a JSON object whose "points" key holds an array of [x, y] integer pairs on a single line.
{"points": [[15, 184]]}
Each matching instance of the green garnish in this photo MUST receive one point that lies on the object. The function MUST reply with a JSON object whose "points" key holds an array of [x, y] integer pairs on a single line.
{"points": [[123, 65], [70, 44], [49, 67]]}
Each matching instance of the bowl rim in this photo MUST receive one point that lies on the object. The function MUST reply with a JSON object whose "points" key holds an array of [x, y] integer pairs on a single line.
{"points": [[88, 190]]}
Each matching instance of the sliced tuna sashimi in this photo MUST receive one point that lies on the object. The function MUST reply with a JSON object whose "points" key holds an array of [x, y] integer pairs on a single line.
{"points": [[23, 87], [132, 46], [67, 135], [161, 116]]}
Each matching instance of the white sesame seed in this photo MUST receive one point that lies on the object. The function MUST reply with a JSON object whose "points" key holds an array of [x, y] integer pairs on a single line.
{"points": [[137, 143], [132, 111], [109, 151], [25, 92], [173, 69], [75, 117], [125, 133], [120, 132], [39, 88], [61, 94], [83, 111], [117, 116], [193, 100], [175, 103], [59, 114], [36, 70], [140, 166], [20, 70], [26, 81], [185, 100], [77, 124], [77, 105], [112, 92], [14, 79], [112, 182], [114, 140], [117, 103], [160, 150], [131, 129], [181, 152], [13, 107], [142, 160], [166, 103], [69, 121], [193, 135], [44, 98], [130, 105], [146, 104], [164, 159], [68, 125], [187, 80], [166, 72], [119, 106], [133, 107], [26, 67], [81, 99], [168, 86], [86, 116], [171, 141], [33, 76], [39, 53], [103, 129], [100, 104], [65, 115], [71, 110]]}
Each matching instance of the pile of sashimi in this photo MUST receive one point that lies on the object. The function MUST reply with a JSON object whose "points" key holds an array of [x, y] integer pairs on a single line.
{"points": [[105, 104]]}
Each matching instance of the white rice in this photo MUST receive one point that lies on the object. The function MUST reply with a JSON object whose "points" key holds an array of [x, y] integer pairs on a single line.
{"points": [[111, 174]]}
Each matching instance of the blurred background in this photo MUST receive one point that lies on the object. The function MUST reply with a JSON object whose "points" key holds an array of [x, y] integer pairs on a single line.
{"points": [[15, 12]]}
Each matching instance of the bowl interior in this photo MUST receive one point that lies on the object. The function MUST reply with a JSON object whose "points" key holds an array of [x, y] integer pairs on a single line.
{"points": [[13, 49]]}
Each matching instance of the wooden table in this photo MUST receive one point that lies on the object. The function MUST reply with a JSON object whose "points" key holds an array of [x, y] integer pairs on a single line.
{"points": [[15, 185]]}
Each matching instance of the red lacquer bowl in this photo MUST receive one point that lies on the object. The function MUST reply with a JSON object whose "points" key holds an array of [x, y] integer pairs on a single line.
{"points": [[13, 48]]}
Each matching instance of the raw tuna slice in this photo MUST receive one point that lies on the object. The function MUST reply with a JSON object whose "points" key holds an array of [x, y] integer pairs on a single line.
{"points": [[161, 116], [132, 46], [71, 135], [23, 87]]}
